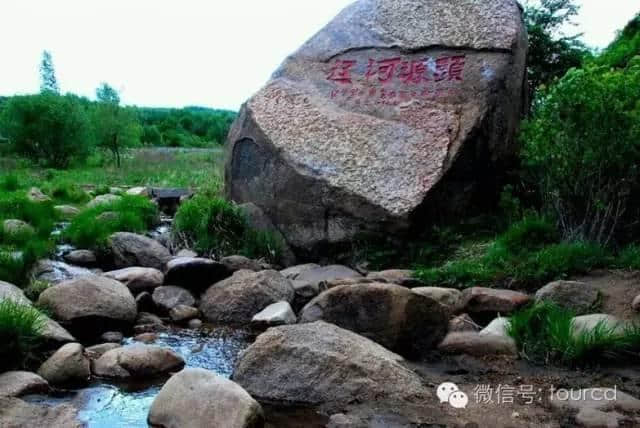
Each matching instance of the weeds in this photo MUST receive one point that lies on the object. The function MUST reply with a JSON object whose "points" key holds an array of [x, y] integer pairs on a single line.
{"points": [[544, 333], [20, 328]]}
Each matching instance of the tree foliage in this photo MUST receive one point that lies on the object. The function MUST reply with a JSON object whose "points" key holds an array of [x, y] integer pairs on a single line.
{"points": [[625, 47], [551, 53], [48, 80], [582, 146], [48, 127], [115, 127]]}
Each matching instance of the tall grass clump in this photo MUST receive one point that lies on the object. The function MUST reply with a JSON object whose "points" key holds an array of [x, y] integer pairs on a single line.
{"points": [[130, 214], [544, 333], [217, 227], [20, 330]]}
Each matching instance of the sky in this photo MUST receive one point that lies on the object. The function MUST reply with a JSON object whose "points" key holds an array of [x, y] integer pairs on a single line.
{"points": [[174, 53]]}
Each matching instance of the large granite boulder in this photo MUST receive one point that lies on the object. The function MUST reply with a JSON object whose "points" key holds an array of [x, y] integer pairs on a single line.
{"points": [[395, 108], [389, 314], [322, 364], [90, 305], [19, 383], [16, 413], [237, 299], [68, 365], [195, 273], [138, 279], [213, 401]]}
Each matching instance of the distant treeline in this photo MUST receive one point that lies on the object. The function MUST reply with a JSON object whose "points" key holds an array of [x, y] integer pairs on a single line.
{"points": [[186, 127]]}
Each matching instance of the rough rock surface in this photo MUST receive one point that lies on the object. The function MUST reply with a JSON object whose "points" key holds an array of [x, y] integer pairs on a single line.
{"points": [[15, 413], [194, 273], [90, 304], [395, 276], [596, 406], [389, 314], [448, 297], [235, 263], [497, 327], [67, 365], [391, 105], [96, 351], [137, 279], [183, 313], [273, 315], [67, 212], [168, 297], [81, 257], [320, 275], [136, 361], [472, 343], [130, 250], [586, 323], [211, 400], [19, 383], [481, 300], [320, 363], [14, 227], [239, 298], [105, 199], [463, 322], [579, 297]]}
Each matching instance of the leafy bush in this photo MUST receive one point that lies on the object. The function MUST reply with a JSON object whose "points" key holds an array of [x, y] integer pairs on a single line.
{"points": [[47, 127], [582, 148], [544, 333], [20, 328], [130, 214], [65, 191], [624, 48], [629, 257], [10, 183], [217, 227]]}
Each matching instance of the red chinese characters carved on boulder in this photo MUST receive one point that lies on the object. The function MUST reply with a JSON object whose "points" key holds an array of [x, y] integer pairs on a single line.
{"points": [[387, 70]]}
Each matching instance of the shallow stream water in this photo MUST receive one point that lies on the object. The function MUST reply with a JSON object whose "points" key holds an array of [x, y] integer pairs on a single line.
{"points": [[103, 404]]}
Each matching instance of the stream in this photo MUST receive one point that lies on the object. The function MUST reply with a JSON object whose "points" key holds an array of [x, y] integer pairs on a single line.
{"points": [[106, 405]]}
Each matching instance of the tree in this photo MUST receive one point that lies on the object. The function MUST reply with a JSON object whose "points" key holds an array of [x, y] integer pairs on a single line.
{"points": [[48, 81], [582, 146], [47, 127], [115, 127], [551, 53]]}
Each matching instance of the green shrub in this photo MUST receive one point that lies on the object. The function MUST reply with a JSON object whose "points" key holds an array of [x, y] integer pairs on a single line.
{"points": [[629, 258], [17, 260], [543, 333], [20, 328], [47, 127], [528, 234], [582, 150], [65, 191], [39, 215], [220, 228], [131, 214], [10, 183]]}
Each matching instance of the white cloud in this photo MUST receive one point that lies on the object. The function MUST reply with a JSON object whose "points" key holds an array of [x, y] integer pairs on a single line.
{"points": [[186, 52]]}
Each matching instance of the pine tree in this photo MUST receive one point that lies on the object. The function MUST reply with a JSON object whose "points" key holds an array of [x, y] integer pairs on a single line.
{"points": [[48, 81]]}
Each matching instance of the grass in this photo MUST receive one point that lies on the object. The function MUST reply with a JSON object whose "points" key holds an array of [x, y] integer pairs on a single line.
{"points": [[219, 228], [131, 214], [20, 328], [544, 333], [528, 254]]}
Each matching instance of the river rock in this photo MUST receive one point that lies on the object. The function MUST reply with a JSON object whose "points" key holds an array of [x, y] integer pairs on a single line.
{"points": [[105, 199], [168, 297], [402, 277], [323, 364], [186, 253], [273, 315], [294, 271], [36, 195], [497, 327], [195, 274], [472, 343], [587, 323], [19, 383], [66, 212], [239, 298], [213, 401], [137, 361], [112, 337], [376, 118], [138, 191], [578, 297], [305, 292], [596, 406], [67, 366], [16, 413], [11, 292], [137, 279], [481, 300], [463, 322], [81, 257], [389, 314], [17, 227], [195, 324], [96, 351], [235, 263], [131, 250], [323, 275], [90, 305], [146, 338], [144, 302], [182, 313], [448, 297]]}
